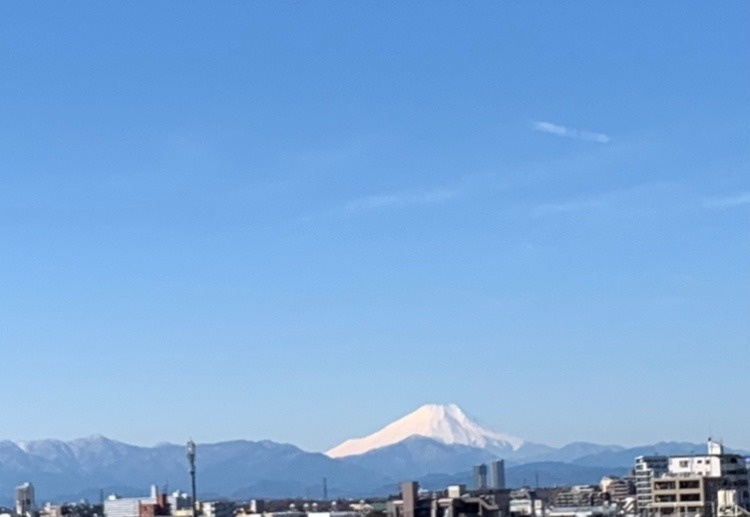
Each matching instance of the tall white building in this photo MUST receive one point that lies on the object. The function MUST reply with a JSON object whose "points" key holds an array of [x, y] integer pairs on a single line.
{"points": [[25, 501], [646, 469]]}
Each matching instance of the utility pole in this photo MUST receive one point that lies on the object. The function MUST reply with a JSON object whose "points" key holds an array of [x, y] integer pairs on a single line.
{"points": [[191, 459]]}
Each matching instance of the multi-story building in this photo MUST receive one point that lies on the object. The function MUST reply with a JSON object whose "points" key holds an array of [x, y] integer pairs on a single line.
{"points": [[454, 502], [25, 500], [410, 498], [578, 496], [480, 476], [691, 485], [616, 489], [217, 509], [497, 474], [646, 469], [179, 501], [256, 506], [115, 506], [151, 506], [525, 503], [686, 495]]}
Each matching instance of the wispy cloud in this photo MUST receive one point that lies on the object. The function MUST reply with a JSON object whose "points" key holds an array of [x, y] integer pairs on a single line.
{"points": [[644, 199], [569, 132], [400, 199], [570, 206], [727, 201]]}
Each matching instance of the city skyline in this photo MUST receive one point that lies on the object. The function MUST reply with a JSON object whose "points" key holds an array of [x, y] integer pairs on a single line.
{"points": [[300, 222]]}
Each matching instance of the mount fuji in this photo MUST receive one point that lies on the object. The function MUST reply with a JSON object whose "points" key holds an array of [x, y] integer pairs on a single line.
{"points": [[446, 424], [442, 438]]}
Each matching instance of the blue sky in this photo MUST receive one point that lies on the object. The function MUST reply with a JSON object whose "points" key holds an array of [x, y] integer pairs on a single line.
{"points": [[299, 221]]}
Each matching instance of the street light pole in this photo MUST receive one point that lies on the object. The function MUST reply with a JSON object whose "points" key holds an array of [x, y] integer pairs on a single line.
{"points": [[191, 459]]}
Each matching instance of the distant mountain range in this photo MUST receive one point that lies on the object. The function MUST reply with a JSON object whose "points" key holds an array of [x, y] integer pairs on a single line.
{"points": [[436, 445]]}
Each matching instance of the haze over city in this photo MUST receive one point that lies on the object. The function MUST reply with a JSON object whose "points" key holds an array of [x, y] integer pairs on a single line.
{"points": [[302, 221]]}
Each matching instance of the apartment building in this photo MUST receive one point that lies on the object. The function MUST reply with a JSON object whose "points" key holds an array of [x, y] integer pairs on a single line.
{"points": [[691, 485], [646, 469]]}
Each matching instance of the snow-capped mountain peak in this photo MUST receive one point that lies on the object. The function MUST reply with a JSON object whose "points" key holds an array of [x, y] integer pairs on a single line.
{"points": [[445, 423]]}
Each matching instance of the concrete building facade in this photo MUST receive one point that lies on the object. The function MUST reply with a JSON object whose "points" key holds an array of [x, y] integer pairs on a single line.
{"points": [[25, 499], [179, 501], [646, 469], [154, 504], [692, 483], [525, 503], [684, 496], [616, 489], [497, 474], [480, 476], [122, 507], [578, 496]]}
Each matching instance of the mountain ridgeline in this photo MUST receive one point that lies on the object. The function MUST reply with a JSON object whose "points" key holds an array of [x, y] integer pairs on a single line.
{"points": [[436, 445]]}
